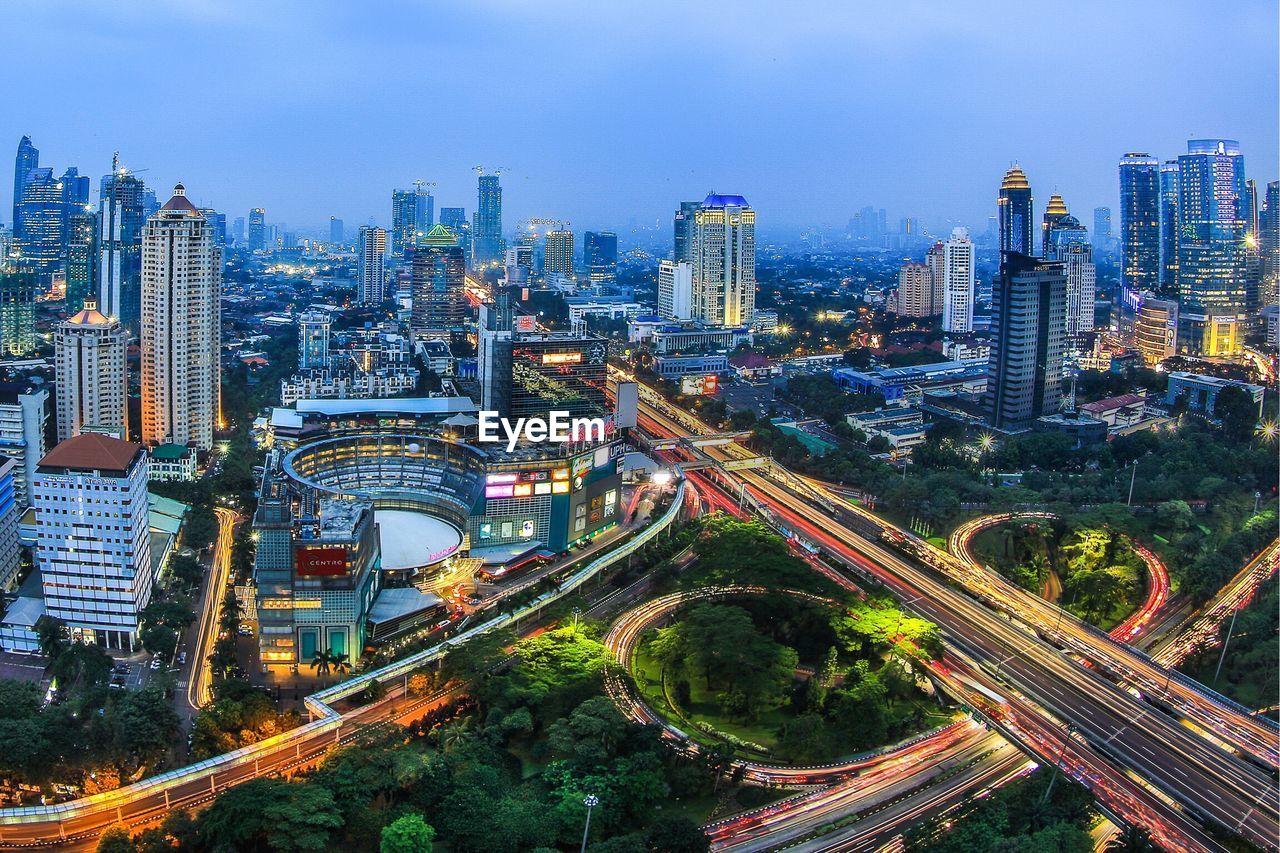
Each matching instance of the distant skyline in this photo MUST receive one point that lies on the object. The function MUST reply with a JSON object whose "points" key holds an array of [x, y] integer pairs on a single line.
{"points": [[601, 114]]}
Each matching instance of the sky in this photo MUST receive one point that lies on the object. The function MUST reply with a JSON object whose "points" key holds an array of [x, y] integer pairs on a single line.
{"points": [[606, 113]]}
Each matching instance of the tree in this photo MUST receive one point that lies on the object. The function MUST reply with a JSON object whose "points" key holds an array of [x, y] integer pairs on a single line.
{"points": [[1134, 839], [270, 813], [1238, 411], [52, 634], [329, 661], [676, 834], [407, 834], [116, 839], [591, 733], [160, 640]]}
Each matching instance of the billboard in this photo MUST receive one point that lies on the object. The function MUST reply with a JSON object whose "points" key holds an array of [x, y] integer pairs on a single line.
{"points": [[320, 562], [702, 385]]}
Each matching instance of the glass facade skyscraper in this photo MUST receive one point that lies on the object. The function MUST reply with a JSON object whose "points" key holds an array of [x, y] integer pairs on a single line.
{"points": [[82, 259], [1169, 227], [1212, 226], [18, 290], [412, 215], [684, 231], [600, 257], [1139, 222], [257, 229], [486, 233], [121, 215], [28, 158], [1102, 227], [438, 282], [1028, 321], [39, 222], [1015, 215]]}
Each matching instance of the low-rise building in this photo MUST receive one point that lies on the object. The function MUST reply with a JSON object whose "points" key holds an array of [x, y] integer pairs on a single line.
{"points": [[359, 384], [172, 462], [752, 365], [903, 386], [1201, 391], [671, 366], [1118, 412], [904, 428]]}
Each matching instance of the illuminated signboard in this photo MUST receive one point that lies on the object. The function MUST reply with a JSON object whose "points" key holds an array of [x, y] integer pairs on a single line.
{"points": [[562, 358], [525, 323], [700, 386], [313, 562]]}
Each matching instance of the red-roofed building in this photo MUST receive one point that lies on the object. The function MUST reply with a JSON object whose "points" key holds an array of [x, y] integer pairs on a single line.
{"points": [[1117, 412], [750, 364]]}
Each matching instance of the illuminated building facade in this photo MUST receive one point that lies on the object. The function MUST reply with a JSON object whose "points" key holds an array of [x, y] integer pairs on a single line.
{"points": [[675, 290], [558, 254], [438, 283], [958, 289], [82, 259], [18, 290], [257, 229], [914, 296], [1053, 213], [1013, 209], [1155, 330], [313, 339], [93, 540], [121, 215], [371, 274], [40, 224], [1212, 226], [556, 371], [1068, 242], [413, 212], [600, 257], [1024, 373], [724, 261], [181, 331], [90, 355], [683, 231], [1269, 246], [1139, 222], [1169, 227], [26, 159], [486, 233]]}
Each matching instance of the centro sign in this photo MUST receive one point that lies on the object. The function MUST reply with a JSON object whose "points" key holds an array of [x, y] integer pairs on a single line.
{"points": [[558, 427]]}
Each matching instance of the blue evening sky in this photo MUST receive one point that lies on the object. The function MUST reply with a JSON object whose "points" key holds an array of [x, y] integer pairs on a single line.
{"points": [[603, 112]]}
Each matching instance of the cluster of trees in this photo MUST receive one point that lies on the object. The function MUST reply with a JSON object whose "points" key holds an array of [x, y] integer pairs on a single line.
{"points": [[90, 735], [1251, 665], [239, 715], [508, 773], [1016, 817]]}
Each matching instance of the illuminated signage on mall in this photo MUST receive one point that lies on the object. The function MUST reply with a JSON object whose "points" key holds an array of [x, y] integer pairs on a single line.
{"points": [[553, 358]]}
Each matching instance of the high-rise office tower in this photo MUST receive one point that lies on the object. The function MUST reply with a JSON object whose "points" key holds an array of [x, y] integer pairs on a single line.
{"points": [[936, 260], [89, 352], [1155, 329], [558, 256], [1169, 227], [82, 260], [958, 290], [217, 224], [181, 284], [313, 339], [1212, 227], [10, 553], [724, 261], [24, 418], [39, 222], [75, 197], [1139, 222], [412, 215], [1014, 211], [600, 257], [371, 253], [27, 158], [1252, 254], [1269, 245], [1056, 209], [237, 230], [551, 371], [335, 231], [257, 229], [486, 233], [1102, 228], [1069, 243], [519, 262], [675, 290], [1024, 373], [95, 560], [455, 219], [684, 222], [439, 285], [18, 289], [914, 297], [121, 215]]}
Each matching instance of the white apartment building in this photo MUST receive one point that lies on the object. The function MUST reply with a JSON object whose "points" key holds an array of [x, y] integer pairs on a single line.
{"points": [[371, 274], [23, 416], [958, 292], [93, 542], [90, 351], [181, 328], [675, 290], [724, 261]]}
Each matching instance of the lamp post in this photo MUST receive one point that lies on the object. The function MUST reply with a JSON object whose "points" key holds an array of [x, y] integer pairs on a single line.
{"points": [[590, 802]]}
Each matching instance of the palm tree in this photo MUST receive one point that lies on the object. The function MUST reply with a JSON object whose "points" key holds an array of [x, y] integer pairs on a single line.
{"points": [[339, 662], [1134, 839], [322, 663], [455, 734], [53, 636]]}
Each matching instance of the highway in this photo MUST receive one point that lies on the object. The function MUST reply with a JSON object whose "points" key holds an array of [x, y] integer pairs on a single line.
{"points": [[200, 682], [1172, 762]]}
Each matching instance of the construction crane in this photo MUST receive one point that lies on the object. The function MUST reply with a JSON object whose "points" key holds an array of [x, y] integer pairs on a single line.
{"points": [[418, 185], [560, 224], [480, 170]]}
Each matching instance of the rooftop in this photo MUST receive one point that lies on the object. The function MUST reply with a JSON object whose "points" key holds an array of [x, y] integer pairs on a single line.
{"points": [[91, 451], [170, 452], [179, 202]]}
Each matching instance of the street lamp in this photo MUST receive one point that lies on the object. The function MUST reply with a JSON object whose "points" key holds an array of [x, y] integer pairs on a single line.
{"points": [[590, 802]]}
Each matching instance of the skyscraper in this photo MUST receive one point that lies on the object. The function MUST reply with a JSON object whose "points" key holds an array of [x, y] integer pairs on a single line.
{"points": [[1056, 209], [335, 231], [121, 215], [455, 219], [75, 196], [18, 290], [412, 215], [1014, 211], [675, 290], [1212, 227], [313, 339], [217, 224], [1139, 222], [684, 222], [936, 260], [1269, 245], [1069, 244], [1024, 373], [558, 256], [1169, 227], [95, 561], [958, 291], [1102, 228], [438, 285], [39, 222], [89, 352], [181, 283], [1155, 329], [257, 229], [724, 261], [27, 158], [82, 260], [600, 257], [370, 262], [487, 231]]}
